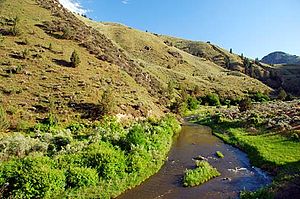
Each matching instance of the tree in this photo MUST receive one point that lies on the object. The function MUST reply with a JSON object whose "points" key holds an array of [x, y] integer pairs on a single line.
{"points": [[75, 59], [242, 56], [282, 94], [107, 102], [171, 89], [4, 124]]}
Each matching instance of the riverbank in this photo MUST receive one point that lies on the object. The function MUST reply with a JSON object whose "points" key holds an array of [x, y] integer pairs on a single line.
{"points": [[193, 143], [268, 147], [99, 160]]}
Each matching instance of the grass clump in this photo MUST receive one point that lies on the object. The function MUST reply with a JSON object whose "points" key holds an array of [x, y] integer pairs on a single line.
{"points": [[219, 154], [203, 172]]}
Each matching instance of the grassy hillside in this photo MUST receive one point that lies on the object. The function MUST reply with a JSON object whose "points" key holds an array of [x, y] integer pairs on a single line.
{"points": [[35, 71], [36, 77], [168, 63], [278, 76]]}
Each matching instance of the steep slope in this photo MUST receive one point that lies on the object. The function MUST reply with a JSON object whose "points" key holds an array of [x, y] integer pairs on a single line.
{"points": [[35, 73], [169, 63], [281, 58], [280, 76]]}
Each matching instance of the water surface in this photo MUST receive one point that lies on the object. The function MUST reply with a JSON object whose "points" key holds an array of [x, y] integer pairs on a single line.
{"points": [[236, 172]]}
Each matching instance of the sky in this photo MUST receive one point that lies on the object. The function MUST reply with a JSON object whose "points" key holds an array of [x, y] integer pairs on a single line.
{"points": [[252, 27]]}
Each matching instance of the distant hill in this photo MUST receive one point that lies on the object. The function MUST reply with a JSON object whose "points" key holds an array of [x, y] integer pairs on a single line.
{"points": [[281, 58]]}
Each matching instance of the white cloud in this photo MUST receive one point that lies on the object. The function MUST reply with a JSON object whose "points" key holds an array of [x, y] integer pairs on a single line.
{"points": [[125, 1], [74, 6]]}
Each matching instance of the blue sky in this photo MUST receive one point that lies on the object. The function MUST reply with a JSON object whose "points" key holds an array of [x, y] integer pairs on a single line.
{"points": [[252, 27]]}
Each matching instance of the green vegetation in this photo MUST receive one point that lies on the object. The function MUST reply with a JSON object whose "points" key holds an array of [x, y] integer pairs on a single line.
{"points": [[4, 124], [98, 160], [201, 174], [75, 59], [219, 154], [270, 146]]}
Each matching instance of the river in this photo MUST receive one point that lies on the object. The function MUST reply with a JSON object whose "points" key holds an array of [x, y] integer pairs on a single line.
{"points": [[237, 174]]}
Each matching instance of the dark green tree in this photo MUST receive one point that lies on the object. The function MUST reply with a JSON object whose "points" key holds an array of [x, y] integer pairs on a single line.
{"points": [[282, 95], [107, 102], [75, 59]]}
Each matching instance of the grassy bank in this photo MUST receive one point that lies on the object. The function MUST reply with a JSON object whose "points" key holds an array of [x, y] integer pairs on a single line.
{"points": [[99, 160], [268, 148]]}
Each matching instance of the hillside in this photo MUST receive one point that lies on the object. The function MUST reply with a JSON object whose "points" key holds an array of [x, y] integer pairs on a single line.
{"points": [[286, 76], [168, 63], [281, 58], [36, 77]]}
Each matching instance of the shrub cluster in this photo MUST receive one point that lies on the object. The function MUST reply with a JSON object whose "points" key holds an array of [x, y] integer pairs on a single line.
{"points": [[51, 161]]}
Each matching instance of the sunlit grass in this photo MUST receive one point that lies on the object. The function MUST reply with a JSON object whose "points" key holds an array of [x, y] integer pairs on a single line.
{"points": [[201, 174]]}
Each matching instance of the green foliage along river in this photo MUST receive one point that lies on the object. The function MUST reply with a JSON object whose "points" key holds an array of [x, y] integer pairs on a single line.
{"points": [[98, 160]]}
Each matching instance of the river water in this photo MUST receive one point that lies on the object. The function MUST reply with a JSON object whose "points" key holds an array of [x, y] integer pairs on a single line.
{"points": [[237, 174]]}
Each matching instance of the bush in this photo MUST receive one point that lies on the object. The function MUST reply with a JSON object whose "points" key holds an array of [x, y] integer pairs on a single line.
{"points": [[107, 102], [109, 161], [81, 177], [32, 177], [137, 136], [260, 97], [212, 100], [75, 59], [17, 145], [255, 119], [192, 103], [4, 124], [203, 172], [282, 94]]}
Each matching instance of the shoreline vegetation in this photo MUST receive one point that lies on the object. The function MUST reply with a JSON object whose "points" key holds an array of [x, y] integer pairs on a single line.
{"points": [[270, 139], [99, 160], [199, 175]]}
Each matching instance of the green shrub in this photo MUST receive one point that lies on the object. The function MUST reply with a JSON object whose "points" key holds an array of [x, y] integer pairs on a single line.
{"points": [[203, 172], [107, 102], [282, 95], [4, 124], [212, 100], [109, 161], [192, 103], [81, 177], [219, 154], [75, 59], [260, 97], [33, 177], [255, 119], [137, 136], [67, 33]]}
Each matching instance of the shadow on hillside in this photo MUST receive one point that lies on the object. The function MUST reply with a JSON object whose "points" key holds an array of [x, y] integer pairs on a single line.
{"points": [[49, 32], [62, 62], [88, 110]]}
